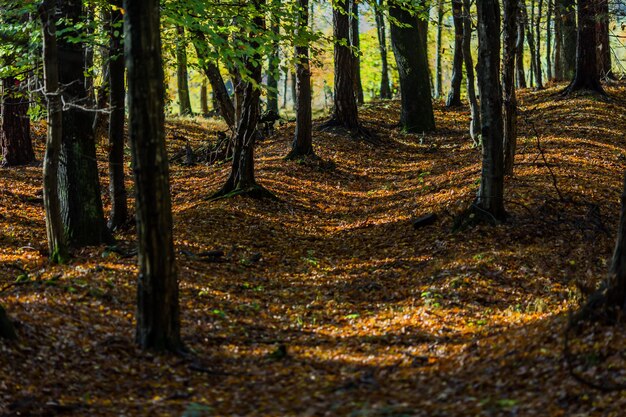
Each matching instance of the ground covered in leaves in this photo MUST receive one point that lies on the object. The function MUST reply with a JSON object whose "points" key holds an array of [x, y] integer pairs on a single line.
{"points": [[327, 301]]}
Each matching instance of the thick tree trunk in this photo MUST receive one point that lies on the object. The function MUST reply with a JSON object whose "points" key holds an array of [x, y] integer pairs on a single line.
{"points": [[273, 70], [355, 41], [587, 76], [15, 140], [117, 98], [57, 245], [439, 47], [549, 41], [566, 10], [182, 76], [417, 110], [345, 112], [603, 44], [303, 139], [469, 70], [158, 322], [7, 331], [491, 193], [508, 83], [521, 31], [79, 185], [204, 98], [385, 89], [454, 96]]}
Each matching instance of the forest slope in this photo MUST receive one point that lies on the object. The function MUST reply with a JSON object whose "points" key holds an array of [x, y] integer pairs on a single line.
{"points": [[375, 318]]}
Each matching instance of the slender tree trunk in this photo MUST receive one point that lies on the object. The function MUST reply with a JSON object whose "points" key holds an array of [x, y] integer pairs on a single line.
{"points": [[454, 96], [7, 331], [273, 70], [469, 70], [587, 76], [558, 42], [303, 139], [538, 66], [491, 193], [356, 44], [519, 59], [204, 99], [182, 76], [117, 98], [57, 244], [293, 80], [603, 47], [549, 40], [79, 184], [158, 322], [15, 140], [567, 57], [417, 111], [508, 83], [438, 57], [385, 90]]}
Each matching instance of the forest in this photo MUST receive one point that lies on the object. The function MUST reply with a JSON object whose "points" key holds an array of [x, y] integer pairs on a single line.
{"points": [[376, 208]]}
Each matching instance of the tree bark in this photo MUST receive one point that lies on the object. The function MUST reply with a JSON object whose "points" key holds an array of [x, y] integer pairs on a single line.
{"points": [[356, 45], [417, 111], [303, 139], [158, 322], [439, 47], [273, 71], [587, 76], [603, 44], [549, 40], [519, 59], [204, 99], [538, 66], [454, 96], [508, 83], [15, 140], [469, 70], [385, 90], [566, 10], [182, 76], [117, 98], [57, 243], [491, 193], [79, 184]]}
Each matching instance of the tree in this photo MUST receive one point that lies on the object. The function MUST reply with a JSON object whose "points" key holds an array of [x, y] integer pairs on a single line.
{"points": [[469, 70], [117, 97], [15, 140], [565, 32], [587, 76], [508, 82], [454, 96], [303, 140], [603, 43], [158, 322], [438, 57], [182, 76], [385, 90], [273, 70], [549, 75], [490, 198], [57, 241], [537, 57], [79, 185], [417, 112], [355, 42], [519, 59]]}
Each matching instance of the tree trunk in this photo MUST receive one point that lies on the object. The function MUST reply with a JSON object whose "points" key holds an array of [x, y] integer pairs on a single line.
{"points": [[213, 74], [15, 140], [454, 96], [417, 110], [7, 331], [345, 112], [439, 47], [57, 245], [182, 76], [303, 140], [519, 59], [385, 90], [538, 72], [158, 322], [508, 83], [273, 70], [558, 42], [587, 76], [356, 45], [491, 193], [549, 41], [469, 70], [603, 47], [204, 99], [117, 98], [79, 184], [567, 18]]}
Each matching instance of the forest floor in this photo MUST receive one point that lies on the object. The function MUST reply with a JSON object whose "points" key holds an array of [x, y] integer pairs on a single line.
{"points": [[327, 301]]}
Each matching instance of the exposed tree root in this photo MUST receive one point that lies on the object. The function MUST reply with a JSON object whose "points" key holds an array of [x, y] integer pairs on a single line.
{"points": [[256, 191], [358, 133], [473, 216]]}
